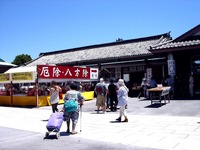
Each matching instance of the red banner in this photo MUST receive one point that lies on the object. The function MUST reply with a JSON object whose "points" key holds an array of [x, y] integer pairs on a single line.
{"points": [[66, 72]]}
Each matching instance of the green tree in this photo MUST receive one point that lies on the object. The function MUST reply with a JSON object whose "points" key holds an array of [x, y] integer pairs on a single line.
{"points": [[21, 59]]}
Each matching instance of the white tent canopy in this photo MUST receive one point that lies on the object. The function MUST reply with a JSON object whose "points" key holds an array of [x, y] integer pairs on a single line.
{"points": [[22, 74], [21, 69], [6, 64]]}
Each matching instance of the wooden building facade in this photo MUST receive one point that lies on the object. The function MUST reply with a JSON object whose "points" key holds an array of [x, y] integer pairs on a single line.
{"points": [[184, 51], [135, 59]]}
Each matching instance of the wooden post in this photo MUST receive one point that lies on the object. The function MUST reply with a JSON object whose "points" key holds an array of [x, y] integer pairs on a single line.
{"points": [[11, 93], [36, 88]]}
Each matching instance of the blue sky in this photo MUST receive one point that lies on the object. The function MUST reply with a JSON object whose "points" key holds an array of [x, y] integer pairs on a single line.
{"points": [[35, 26]]}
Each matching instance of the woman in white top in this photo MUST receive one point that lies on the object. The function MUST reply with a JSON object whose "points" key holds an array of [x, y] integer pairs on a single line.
{"points": [[54, 96], [122, 100]]}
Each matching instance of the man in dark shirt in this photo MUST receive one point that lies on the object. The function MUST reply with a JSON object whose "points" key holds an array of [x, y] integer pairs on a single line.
{"points": [[112, 91]]}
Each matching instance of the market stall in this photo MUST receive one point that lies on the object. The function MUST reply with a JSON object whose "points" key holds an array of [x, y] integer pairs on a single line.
{"points": [[33, 83], [12, 80]]}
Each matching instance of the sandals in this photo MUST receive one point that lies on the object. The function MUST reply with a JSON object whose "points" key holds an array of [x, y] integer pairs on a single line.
{"points": [[74, 132]]}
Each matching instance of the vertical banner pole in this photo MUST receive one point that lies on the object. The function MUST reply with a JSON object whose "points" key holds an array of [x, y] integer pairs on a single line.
{"points": [[11, 93], [36, 87]]}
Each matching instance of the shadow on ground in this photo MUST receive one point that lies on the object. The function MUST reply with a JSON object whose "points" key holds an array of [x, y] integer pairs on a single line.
{"points": [[155, 105]]}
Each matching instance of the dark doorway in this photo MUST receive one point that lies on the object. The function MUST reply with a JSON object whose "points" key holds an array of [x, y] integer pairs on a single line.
{"points": [[135, 82]]}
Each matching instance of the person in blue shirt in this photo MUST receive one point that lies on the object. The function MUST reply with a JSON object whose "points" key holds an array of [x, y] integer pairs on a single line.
{"points": [[152, 83]]}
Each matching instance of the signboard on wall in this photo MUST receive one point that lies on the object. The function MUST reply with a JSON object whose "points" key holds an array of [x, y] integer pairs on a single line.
{"points": [[171, 67], [25, 76], [126, 77], [149, 73], [66, 72], [138, 68]]}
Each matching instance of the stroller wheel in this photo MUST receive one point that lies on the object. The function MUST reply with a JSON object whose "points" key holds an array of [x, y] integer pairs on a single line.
{"points": [[57, 135], [46, 134]]}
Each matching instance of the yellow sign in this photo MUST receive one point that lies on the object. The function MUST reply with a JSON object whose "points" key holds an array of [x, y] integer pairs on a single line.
{"points": [[22, 76], [4, 77]]}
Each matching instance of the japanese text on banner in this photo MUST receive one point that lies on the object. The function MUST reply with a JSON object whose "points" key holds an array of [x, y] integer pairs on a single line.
{"points": [[60, 72]]}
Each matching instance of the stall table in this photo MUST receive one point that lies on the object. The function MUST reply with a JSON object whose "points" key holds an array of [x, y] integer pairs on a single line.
{"points": [[159, 92]]}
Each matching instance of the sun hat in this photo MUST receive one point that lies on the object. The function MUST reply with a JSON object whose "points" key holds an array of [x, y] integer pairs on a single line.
{"points": [[121, 82], [101, 79]]}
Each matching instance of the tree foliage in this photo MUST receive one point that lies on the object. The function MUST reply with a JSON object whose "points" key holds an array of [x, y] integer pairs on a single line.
{"points": [[22, 59]]}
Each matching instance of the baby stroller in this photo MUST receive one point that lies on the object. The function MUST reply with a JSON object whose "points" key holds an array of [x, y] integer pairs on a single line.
{"points": [[54, 124]]}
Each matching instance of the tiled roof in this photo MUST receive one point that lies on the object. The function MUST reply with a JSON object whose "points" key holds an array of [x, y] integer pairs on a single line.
{"points": [[116, 50], [192, 32], [172, 44], [190, 40]]}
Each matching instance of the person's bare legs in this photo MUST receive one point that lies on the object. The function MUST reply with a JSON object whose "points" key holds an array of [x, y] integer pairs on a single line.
{"points": [[124, 114], [120, 114], [73, 128], [104, 104], [98, 108], [97, 104], [104, 108], [68, 126]]}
